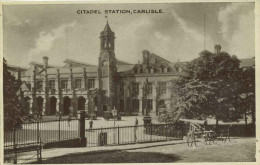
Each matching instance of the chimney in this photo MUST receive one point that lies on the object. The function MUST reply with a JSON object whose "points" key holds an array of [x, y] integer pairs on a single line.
{"points": [[217, 49], [45, 61], [146, 55]]}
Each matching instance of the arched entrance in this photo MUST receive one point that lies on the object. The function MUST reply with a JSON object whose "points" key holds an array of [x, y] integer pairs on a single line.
{"points": [[39, 105], [66, 105], [53, 102], [104, 108], [81, 103]]}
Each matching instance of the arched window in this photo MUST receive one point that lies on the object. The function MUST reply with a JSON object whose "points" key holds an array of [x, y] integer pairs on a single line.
{"points": [[105, 42], [104, 63]]}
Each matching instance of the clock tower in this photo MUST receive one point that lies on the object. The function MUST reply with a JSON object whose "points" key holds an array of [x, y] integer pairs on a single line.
{"points": [[107, 69]]}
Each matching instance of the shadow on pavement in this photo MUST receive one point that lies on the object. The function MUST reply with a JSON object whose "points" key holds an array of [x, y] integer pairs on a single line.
{"points": [[113, 157]]}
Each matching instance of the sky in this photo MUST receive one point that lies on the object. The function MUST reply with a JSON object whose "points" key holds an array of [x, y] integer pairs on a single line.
{"points": [[177, 34]]}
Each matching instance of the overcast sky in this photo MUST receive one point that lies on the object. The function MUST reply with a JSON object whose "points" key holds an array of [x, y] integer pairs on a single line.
{"points": [[34, 31]]}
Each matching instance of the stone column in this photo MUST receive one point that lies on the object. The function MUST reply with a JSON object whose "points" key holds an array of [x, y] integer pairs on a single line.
{"points": [[153, 111], [86, 104], [58, 107], [85, 78], [140, 97], [31, 106], [82, 129], [46, 89], [71, 80], [44, 107]]}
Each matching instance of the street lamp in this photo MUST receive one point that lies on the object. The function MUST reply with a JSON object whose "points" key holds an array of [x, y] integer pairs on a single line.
{"points": [[114, 113], [147, 118]]}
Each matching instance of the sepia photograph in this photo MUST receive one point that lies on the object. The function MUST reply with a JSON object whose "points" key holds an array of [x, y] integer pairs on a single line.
{"points": [[129, 82]]}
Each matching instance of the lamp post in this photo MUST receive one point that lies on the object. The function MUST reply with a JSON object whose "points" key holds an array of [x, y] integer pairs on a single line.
{"points": [[147, 118], [114, 113]]}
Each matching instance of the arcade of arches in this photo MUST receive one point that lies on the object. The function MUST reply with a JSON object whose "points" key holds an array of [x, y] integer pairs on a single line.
{"points": [[66, 106]]}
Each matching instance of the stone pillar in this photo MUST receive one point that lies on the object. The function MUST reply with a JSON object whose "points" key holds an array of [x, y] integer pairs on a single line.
{"points": [[44, 107], [83, 139], [31, 106], [140, 113], [58, 104], [85, 78], [86, 104], [34, 104], [58, 107], [46, 89], [153, 111], [71, 80], [140, 97]]}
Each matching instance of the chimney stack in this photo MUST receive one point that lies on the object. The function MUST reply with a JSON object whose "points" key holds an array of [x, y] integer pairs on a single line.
{"points": [[217, 49], [45, 61]]}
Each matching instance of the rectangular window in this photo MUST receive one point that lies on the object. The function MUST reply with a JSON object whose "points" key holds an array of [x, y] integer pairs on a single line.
{"points": [[135, 89], [39, 85], [150, 88], [78, 83], [121, 89], [149, 104], [91, 83], [162, 87], [64, 84], [136, 105], [52, 84]]}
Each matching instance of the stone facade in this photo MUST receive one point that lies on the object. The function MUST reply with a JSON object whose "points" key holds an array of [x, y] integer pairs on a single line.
{"points": [[133, 89]]}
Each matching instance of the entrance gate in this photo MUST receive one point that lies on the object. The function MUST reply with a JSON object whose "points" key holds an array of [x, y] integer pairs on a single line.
{"points": [[133, 134]]}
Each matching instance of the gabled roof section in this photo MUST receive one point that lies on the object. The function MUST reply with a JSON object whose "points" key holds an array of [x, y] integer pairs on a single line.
{"points": [[124, 68], [41, 65], [119, 62], [74, 63], [15, 67], [160, 58], [92, 69]]}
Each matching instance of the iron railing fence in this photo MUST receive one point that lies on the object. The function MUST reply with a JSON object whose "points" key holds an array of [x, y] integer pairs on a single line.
{"points": [[133, 134], [32, 133]]}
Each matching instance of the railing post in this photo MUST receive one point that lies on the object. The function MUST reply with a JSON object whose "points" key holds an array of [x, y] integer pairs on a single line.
{"points": [[151, 136], [181, 130], [83, 139], [59, 128], [118, 134], [15, 154], [166, 132]]}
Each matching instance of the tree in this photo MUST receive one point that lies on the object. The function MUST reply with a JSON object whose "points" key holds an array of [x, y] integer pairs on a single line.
{"points": [[246, 101], [12, 108], [208, 88]]}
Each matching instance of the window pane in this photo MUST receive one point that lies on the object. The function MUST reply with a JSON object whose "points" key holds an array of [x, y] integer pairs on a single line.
{"points": [[91, 83], [64, 84], [78, 83]]}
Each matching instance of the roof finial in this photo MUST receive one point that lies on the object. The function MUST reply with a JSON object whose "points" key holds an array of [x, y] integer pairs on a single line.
{"points": [[106, 18]]}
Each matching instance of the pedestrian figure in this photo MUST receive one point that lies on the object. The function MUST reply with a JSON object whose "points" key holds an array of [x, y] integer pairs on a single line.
{"points": [[90, 124], [136, 121], [205, 125], [69, 120]]}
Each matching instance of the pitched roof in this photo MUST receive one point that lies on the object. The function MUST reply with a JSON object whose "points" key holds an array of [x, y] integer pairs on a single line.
{"points": [[70, 61], [119, 62], [124, 68], [74, 69]]}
